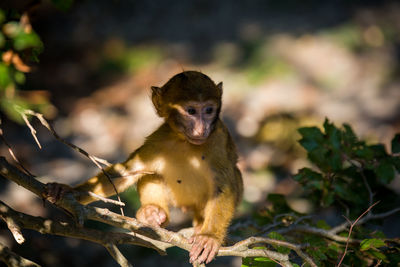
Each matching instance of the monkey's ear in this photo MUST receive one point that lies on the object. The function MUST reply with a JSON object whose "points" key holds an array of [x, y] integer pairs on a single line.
{"points": [[157, 99], [219, 86]]}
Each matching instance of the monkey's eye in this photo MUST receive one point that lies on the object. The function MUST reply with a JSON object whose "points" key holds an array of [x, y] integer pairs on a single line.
{"points": [[209, 110], [191, 111]]}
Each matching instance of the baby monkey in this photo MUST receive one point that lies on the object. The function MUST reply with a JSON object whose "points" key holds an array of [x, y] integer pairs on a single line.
{"points": [[192, 160]]}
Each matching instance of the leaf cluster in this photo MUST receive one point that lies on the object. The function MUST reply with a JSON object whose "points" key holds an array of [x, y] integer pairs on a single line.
{"points": [[346, 168], [348, 175]]}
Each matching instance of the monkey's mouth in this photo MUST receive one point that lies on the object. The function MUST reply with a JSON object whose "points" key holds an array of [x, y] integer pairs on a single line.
{"points": [[196, 141]]}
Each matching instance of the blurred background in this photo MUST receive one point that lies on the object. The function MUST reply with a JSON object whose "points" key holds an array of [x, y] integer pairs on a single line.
{"points": [[284, 64]]}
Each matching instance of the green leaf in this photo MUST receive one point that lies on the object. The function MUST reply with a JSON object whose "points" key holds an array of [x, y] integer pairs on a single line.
{"points": [[27, 40], [378, 150], [333, 134], [2, 16], [371, 243], [258, 262], [280, 249], [262, 259], [2, 40], [365, 153], [5, 79], [377, 254], [306, 174], [385, 171], [323, 225], [19, 77], [312, 137], [335, 161], [396, 144], [348, 135]]}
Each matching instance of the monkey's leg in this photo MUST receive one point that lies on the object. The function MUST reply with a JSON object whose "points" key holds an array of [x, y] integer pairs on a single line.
{"points": [[154, 201]]}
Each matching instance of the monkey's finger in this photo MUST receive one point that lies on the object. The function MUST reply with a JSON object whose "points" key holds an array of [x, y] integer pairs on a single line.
{"points": [[198, 247], [195, 252], [206, 251], [213, 253], [154, 217], [162, 216]]}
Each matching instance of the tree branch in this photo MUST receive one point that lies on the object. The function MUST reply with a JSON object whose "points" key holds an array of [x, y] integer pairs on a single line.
{"points": [[46, 226], [145, 235], [14, 260], [48, 126], [160, 237]]}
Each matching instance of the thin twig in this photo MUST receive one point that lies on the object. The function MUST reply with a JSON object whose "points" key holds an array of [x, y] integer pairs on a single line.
{"points": [[105, 200], [48, 126], [12, 152], [117, 255], [14, 260], [351, 229], [33, 131]]}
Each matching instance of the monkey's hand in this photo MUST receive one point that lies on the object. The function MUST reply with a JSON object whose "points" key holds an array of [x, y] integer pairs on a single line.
{"points": [[55, 191], [152, 214], [204, 248]]}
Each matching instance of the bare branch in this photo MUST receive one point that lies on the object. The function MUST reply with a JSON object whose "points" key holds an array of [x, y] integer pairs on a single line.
{"points": [[106, 200], [317, 231], [46, 226], [351, 229], [33, 131], [156, 237], [12, 152], [160, 235], [283, 259], [49, 127], [117, 255], [14, 228], [14, 260]]}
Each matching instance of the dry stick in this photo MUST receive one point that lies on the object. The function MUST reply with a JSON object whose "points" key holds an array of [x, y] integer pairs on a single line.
{"points": [[14, 228], [369, 216], [317, 231], [94, 159], [14, 260], [12, 152], [98, 197], [46, 226], [160, 235], [351, 229], [117, 255]]}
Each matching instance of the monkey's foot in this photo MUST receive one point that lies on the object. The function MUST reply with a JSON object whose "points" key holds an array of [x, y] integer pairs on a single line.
{"points": [[151, 214], [204, 248]]}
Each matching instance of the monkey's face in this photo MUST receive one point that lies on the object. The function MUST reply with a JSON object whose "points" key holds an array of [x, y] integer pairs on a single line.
{"points": [[194, 120]]}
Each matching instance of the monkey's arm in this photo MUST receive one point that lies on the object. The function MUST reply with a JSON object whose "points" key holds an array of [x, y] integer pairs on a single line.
{"points": [[123, 175], [101, 185], [218, 213]]}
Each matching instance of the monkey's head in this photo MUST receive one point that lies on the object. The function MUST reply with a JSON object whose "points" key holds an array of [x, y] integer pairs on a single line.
{"points": [[190, 103]]}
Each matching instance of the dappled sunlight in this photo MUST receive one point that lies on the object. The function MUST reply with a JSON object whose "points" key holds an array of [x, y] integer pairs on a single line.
{"points": [[283, 66]]}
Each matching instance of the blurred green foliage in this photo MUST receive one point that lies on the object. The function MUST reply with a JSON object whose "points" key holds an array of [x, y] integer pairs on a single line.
{"points": [[19, 46], [121, 59], [347, 174]]}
